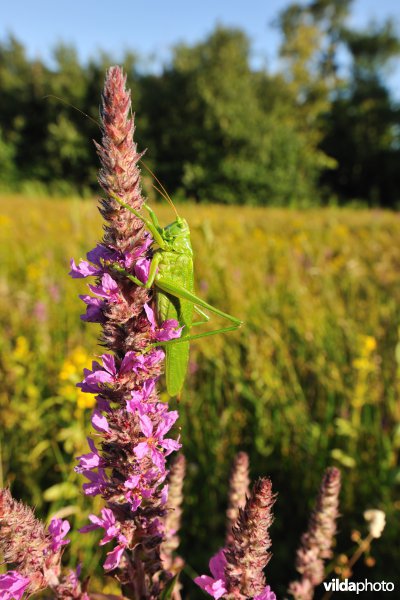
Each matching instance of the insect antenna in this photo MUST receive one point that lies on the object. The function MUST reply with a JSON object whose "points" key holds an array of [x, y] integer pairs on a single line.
{"points": [[72, 106], [167, 198], [163, 192]]}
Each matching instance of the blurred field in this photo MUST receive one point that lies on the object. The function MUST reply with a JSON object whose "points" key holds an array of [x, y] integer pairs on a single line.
{"points": [[311, 380]]}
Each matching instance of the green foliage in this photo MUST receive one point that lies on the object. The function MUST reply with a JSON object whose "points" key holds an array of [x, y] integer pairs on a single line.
{"points": [[7, 168], [311, 380], [235, 138], [216, 129]]}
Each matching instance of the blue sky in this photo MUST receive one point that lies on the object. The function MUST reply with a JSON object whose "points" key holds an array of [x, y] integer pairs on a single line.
{"points": [[151, 28]]}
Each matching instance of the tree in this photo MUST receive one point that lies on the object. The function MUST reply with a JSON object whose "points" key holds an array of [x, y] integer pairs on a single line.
{"points": [[364, 124]]}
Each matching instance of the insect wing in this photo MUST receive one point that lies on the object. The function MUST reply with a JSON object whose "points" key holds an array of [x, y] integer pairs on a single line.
{"points": [[170, 307], [176, 366]]}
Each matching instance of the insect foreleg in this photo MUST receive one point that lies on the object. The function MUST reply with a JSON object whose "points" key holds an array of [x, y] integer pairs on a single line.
{"points": [[153, 270], [206, 318], [152, 273], [198, 336], [181, 292], [151, 226], [152, 216], [123, 271]]}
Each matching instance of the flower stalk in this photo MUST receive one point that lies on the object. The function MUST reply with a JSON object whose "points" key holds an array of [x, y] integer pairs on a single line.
{"points": [[238, 492], [238, 569], [34, 552], [316, 543], [126, 464]]}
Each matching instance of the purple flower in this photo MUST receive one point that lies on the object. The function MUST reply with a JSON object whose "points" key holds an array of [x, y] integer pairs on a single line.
{"points": [[94, 310], [13, 585], [91, 460], [266, 594], [136, 257], [169, 329], [98, 376], [141, 264], [145, 362], [58, 529], [155, 442], [139, 487], [140, 397], [100, 422], [73, 584], [108, 522], [101, 254], [101, 376], [84, 269], [114, 557], [142, 269], [128, 468], [97, 482], [215, 585], [40, 312], [97, 256], [108, 289]]}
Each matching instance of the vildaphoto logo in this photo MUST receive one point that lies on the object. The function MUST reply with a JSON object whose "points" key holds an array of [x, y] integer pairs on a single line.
{"points": [[336, 585]]}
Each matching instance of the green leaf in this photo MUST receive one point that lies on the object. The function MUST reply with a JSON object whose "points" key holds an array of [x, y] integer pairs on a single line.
{"points": [[59, 491], [343, 459], [166, 593]]}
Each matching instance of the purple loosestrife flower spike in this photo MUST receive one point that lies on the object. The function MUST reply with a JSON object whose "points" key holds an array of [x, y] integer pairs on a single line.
{"points": [[248, 553], [126, 464], [316, 543], [35, 552], [238, 491]]}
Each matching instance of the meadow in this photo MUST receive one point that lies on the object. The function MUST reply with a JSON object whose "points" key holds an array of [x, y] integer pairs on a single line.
{"points": [[312, 379]]}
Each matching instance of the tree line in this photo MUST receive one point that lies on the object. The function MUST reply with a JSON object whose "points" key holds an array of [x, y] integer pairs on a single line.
{"points": [[323, 128]]}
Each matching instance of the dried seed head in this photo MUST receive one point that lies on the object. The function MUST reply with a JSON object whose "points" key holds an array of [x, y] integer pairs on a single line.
{"points": [[316, 543], [248, 553], [25, 543], [238, 491], [174, 514]]}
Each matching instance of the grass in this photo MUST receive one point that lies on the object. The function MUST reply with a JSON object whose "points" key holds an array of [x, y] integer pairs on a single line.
{"points": [[311, 380]]}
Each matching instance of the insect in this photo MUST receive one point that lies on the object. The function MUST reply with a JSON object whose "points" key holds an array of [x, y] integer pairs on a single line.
{"points": [[171, 273]]}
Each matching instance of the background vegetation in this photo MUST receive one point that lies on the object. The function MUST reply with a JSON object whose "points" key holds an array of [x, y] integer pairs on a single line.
{"points": [[312, 380], [323, 128]]}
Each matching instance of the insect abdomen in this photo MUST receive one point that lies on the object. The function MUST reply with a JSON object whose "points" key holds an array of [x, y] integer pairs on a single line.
{"points": [[177, 270]]}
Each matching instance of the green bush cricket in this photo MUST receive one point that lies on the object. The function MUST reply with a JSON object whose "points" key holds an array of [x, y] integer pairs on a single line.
{"points": [[171, 274]]}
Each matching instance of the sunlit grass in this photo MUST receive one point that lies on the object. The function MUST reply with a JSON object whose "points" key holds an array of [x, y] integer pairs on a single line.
{"points": [[312, 379]]}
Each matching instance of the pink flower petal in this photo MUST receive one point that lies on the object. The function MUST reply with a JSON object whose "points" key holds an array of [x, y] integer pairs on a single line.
{"points": [[100, 422], [158, 458], [146, 425], [113, 558], [13, 585], [141, 449], [150, 315], [216, 588], [266, 594], [109, 363]]}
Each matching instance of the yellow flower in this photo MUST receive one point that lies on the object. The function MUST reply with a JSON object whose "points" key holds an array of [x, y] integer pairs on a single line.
{"points": [[85, 400], [369, 343], [361, 364], [71, 374], [21, 350]]}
